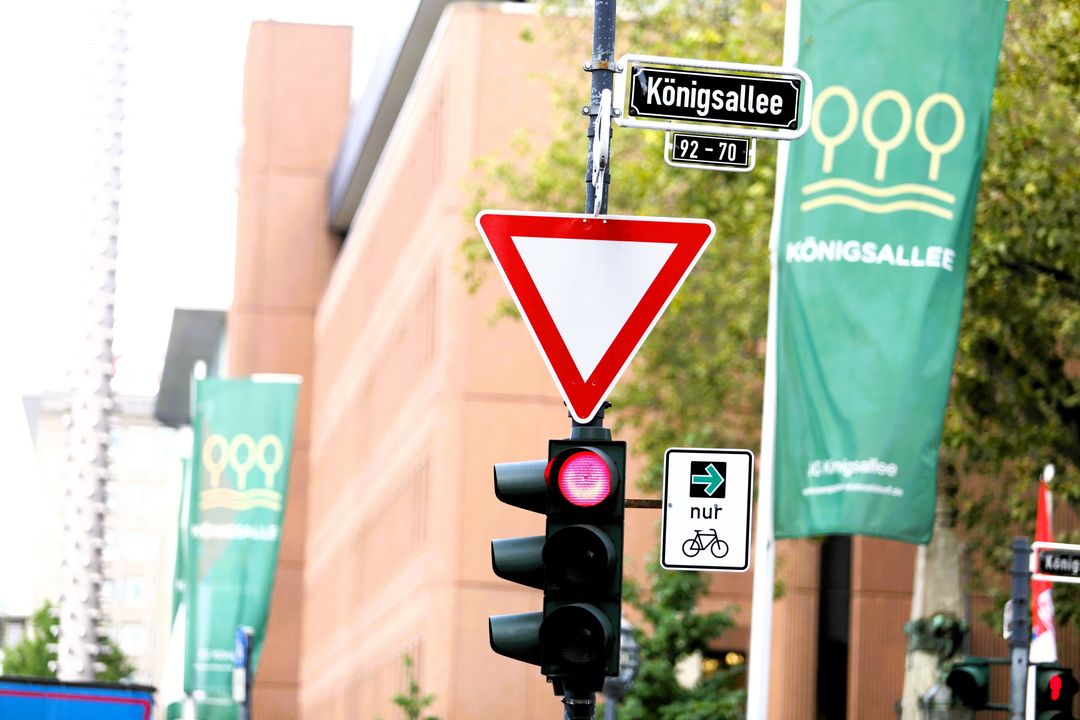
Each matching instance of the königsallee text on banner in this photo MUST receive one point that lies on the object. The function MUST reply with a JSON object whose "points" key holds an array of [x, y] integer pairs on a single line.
{"points": [[873, 242], [243, 435]]}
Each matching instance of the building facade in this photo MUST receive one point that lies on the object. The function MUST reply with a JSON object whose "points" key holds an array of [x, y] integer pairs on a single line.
{"points": [[142, 501], [412, 392]]}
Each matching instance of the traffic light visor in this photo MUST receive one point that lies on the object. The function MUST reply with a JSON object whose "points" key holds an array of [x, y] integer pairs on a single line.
{"points": [[516, 636], [577, 635], [579, 556], [970, 682], [584, 479]]}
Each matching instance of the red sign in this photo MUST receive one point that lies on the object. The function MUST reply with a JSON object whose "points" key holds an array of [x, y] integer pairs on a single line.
{"points": [[591, 288]]}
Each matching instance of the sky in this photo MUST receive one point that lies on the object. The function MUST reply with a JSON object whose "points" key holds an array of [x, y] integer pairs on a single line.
{"points": [[182, 138], [181, 142]]}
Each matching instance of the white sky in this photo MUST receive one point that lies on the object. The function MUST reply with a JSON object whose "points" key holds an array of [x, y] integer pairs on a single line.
{"points": [[182, 134], [181, 144]]}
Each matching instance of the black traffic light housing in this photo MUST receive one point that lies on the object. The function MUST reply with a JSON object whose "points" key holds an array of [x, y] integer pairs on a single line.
{"points": [[583, 565], [577, 562], [969, 680], [1055, 687]]}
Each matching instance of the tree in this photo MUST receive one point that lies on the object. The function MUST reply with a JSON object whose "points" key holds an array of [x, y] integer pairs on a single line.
{"points": [[413, 702], [31, 657], [675, 631], [1015, 403]]}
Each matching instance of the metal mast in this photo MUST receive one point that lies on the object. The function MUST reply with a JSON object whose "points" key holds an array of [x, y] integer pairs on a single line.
{"points": [[91, 391]]}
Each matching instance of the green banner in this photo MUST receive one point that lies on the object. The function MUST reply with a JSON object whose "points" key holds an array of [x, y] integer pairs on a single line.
{"points": [[874, 230], [243, 432]]}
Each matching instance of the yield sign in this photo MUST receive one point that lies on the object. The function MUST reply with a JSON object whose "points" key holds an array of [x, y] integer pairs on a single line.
{"points": [[590, 288]]}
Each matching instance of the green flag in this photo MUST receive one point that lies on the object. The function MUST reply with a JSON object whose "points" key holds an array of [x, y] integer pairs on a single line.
{"points": [[243, 432], [873, 237]]}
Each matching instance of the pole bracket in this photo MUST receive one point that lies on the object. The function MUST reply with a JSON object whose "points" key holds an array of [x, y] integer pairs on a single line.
{"points": [[600, 65], [601, 149]]}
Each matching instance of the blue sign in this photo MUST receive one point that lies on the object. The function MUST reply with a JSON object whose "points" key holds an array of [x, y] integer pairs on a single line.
{"points": [[38, 699], [242, 646]]}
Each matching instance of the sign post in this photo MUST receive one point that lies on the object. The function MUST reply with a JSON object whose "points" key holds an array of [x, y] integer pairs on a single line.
{"points": [[1021, 628]]}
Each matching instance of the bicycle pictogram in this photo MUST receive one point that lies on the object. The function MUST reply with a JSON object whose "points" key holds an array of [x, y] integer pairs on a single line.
{"points": [[715, 545]]}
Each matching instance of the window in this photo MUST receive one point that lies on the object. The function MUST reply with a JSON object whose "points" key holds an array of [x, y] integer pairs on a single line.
{"points": [[12, 632], [134, 589], [132, 639], [141, 447], [112, 500]]}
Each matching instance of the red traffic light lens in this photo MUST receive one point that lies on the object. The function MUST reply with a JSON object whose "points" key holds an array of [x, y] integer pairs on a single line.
{"points": [[584, 479], [1055, 687]]}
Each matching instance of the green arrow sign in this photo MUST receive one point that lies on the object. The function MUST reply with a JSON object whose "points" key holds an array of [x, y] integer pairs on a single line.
{"points": [[712, 480]]}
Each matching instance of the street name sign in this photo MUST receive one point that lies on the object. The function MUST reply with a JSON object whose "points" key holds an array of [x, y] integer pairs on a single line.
{"points": [[590, 288], [1055, 562], [712, 98], [705, 523], [710, 152]]}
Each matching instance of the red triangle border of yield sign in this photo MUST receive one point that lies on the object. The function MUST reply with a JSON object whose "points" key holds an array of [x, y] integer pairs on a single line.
{"points": [[585, 396]]}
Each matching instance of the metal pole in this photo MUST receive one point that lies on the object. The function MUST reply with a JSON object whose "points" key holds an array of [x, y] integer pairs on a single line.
{"points": [[602, 67], [579, 703], [1020, 626], [757, 681]]}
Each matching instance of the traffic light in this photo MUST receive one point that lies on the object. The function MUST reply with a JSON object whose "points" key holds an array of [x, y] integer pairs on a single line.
{"points": [[969, 681], [577, 562], [1055, 687], [582, 556]]}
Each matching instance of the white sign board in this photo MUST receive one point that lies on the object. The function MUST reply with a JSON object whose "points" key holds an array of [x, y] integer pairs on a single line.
{"points": [[706, 509], [712, 97], [1055, 562]]}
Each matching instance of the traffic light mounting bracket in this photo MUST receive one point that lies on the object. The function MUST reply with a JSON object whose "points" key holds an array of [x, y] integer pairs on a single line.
{"points": [[592, 430]]}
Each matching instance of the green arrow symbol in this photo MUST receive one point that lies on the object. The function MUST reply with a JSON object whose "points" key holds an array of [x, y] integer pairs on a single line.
{"points": [[713, 480]]}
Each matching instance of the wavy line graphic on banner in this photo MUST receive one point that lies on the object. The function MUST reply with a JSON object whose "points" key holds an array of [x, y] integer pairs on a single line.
{"points": [[240, 499], [878, 207]]}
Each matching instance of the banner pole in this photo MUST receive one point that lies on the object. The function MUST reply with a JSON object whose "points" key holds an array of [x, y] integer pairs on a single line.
{"points": [[757, 693]]}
